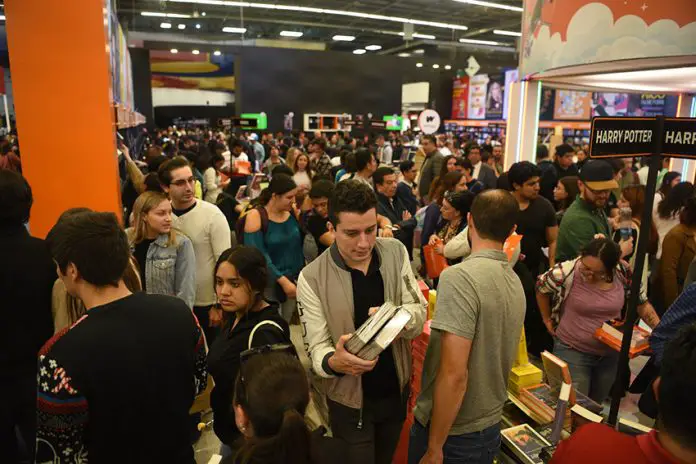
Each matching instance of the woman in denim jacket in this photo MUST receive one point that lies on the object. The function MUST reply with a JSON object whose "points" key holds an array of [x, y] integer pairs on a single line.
{"points": [[165, 257]]}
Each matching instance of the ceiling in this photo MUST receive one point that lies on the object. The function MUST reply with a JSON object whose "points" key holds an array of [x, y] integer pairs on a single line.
{"points": [[439, 26]]}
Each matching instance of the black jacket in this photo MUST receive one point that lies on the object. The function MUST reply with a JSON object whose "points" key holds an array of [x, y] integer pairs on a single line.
{"points": [[394, 211], [407, 197]]}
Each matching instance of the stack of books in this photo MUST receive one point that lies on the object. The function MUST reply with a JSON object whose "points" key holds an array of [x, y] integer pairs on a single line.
{"points": [[542, 399], [525, 443], [611, 334], [378, 332]]}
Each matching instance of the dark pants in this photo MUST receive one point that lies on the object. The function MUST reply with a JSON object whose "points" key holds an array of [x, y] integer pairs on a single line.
{"points": [[376, 440], [203, 317], [18, 419], [469, 448]]}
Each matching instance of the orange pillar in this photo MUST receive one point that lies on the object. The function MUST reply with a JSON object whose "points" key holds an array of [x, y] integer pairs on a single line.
{"points": [[59, 57]]}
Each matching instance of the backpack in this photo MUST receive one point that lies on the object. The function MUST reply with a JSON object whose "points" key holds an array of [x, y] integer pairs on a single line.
{"points": [[241, 222]]}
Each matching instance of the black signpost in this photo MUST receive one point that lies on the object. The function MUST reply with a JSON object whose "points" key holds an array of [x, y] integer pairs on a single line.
{"points": [[629, 137]]}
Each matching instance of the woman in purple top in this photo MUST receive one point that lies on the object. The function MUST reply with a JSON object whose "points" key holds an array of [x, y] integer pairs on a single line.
{"points": [[586, 292]]}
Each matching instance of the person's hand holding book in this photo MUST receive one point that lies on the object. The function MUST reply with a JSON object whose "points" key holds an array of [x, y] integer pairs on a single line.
{"points": [[345, 363]]}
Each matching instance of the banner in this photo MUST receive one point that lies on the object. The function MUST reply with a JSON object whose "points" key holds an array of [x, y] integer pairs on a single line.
{"points": [[204, 71], [651, 104], [571, 105], [460, 97], [546, 104], [478, 89], [495, 97], [609, 104]]}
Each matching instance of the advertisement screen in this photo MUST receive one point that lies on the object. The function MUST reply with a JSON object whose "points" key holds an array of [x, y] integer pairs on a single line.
{"points": [[546, 104], [609, 104], [460, 97], [572, 105], [394, 123], [510, 77], [652, 104], [478, 90]]}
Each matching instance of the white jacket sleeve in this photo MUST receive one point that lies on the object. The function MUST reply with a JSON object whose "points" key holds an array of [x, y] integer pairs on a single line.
{"points": [[458, 247], [412, 299], [317, 339]]}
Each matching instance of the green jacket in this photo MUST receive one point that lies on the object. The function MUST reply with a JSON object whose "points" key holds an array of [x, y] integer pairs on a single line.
{"points": [[579, 225]]}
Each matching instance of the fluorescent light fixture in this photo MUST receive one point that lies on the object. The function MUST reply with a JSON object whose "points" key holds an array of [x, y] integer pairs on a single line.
{"points": [[416, 35], [166, 25], [181, 26], [343, 38], [198, 26], [174, 50], [420, 51], [479, 42], [159, 14], [448, 67], [404, 55], [234, 30], [359, 51], [291, 34], [419, 65], [325, 11], [509, 33], [196, 52], [436, 66], [373, 48], [500, 6], [217, 53]]}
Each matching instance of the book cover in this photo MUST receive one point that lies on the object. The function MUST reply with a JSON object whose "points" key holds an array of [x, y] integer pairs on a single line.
{"points": [[525, 443], [631, 428], [540, 399], [611, 334], [386, 336], [557, 372], [581, 416]]}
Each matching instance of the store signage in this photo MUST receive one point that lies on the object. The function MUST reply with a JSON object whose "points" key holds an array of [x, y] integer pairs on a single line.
{"points": [[224, 122], [620, 137], [429, 121], [244, 122], [378, 124]]}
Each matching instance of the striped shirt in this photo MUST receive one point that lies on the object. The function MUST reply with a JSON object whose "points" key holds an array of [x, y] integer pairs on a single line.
{"points": [[679, 315]]}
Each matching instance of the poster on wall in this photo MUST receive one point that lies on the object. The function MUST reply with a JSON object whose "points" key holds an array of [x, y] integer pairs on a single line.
{"points": [[204, 71], [460, 97], [652, 104], [571, 32], [609, 104], [478, 89], [511, 77], [571, 105], [495, 97], [546, 103]]}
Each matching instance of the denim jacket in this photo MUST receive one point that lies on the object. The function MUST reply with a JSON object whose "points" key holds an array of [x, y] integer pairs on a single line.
{"points": [[171, 270]]}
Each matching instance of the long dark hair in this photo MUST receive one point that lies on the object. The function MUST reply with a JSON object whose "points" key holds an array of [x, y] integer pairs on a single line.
{"points": [[250, 266], [280, 185], [675, 200], [444, 184], [570, 183], [667, 180], [273, 391]]}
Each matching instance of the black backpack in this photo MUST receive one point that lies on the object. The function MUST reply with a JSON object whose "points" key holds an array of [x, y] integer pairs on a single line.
{"points": [[241, 221]]}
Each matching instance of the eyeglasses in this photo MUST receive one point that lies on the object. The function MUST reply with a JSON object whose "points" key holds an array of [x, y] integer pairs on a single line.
{"points": [[183, 182], [589, 273]]}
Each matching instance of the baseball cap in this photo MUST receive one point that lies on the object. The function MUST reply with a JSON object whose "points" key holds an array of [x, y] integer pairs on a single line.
{"points": [[254, 137], [598, 175]]}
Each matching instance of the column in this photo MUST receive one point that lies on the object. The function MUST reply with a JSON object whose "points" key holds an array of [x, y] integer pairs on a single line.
{"points": [[522, 122], [59, 56]]}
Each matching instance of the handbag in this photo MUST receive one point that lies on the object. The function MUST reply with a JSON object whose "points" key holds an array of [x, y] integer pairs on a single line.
{"points": [[435, 263]]}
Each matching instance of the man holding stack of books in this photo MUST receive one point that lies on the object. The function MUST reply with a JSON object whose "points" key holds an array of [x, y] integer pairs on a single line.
{"points": [[365, 372]]}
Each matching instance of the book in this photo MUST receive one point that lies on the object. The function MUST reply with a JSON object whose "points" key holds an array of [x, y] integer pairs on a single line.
{"points": [[561, 409], [386, 336], [367, 332], [631, 428], [541, 399], [580, 416], [611, 334], [525, 443], [557, 372]]}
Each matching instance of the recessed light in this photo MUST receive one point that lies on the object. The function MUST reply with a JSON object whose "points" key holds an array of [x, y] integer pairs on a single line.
{"points": [[419, 65], [448, 67], [510, 33], [166, 25], [343, 38], [234, 30], [198, 26], [291, 34], [420, 51], [404, 55], [492, 5], [181, 26], [217, 53], [174, 50], [436, 66], [203, 13], [373, 48], [479, 42], [359, 51], [196, 52]]}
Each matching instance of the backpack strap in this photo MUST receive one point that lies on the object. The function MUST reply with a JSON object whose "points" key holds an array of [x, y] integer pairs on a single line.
{"points": [[260, 324], [264, 219]]}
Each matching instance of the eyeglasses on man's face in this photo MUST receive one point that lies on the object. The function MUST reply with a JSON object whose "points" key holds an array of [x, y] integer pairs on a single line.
{"points": [[183, 182]]}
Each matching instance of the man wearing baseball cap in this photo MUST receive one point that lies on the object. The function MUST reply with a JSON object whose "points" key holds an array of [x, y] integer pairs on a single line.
{"points": [[586, 216]]}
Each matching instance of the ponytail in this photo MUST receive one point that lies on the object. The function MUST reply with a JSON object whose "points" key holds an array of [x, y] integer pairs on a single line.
{"points": [[290, 445]]}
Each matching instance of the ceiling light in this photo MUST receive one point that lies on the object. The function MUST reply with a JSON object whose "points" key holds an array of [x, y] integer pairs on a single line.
{"points": [[234, 30], [203, 13], [373, 48], [404, 55], [436, 66], [159, 14], [291, 34], [343, 38], [419, 36], [492, 5], [359, 51], [324, 11], [420, 51], [196, 52], [419, 65], [166, 25], [479, 42], [448, 67], [182, 26], [217, 53], [510, 33], [174, 50], [198, 26]]}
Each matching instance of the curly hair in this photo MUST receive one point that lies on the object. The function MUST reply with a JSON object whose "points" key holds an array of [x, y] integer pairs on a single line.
{"points": [[351, 196]]}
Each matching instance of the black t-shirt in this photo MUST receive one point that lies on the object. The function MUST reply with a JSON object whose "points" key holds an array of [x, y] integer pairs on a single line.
{"points": [[368, 292], [140, 255], [532, 224], [181, 212], [317, 226]]}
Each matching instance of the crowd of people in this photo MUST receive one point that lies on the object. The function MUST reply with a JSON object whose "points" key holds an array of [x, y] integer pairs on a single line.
{"points": [[227, 240]]}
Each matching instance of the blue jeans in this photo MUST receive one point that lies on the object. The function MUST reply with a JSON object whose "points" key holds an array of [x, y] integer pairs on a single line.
{"points": [[592, 375], [470, 448]]}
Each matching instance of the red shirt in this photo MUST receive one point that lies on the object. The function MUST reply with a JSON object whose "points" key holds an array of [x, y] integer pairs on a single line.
{"points": [[600, 443]]}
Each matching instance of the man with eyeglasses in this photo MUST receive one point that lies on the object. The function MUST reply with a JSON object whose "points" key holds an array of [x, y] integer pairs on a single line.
{"points": [[586, 216], [207, 228]]}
